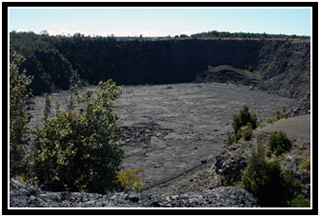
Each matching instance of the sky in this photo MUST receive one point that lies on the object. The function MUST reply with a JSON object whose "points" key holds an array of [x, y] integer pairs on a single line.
{"points": [[160, 21]]}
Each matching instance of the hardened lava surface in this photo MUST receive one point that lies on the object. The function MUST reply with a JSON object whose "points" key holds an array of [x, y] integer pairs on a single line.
{"points": [[173, 130]]}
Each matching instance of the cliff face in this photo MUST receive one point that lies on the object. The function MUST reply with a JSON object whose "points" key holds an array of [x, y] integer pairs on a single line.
{"points": [[282, 66], [285, 67]]}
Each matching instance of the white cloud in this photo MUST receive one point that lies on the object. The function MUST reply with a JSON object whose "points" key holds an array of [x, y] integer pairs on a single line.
{"points": [[130, 33], [63, 30], [22, 30], [56, 29]]}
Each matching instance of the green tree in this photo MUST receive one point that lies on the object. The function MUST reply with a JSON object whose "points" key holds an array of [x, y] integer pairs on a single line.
{"points": [[279, 143], [244, 118], [78, 150], [271, 186], [263, 179], [20, 103], [243, 124]]}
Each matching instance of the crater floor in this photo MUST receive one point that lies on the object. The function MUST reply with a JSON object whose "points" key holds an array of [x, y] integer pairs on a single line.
{"points": [[173, 130]]}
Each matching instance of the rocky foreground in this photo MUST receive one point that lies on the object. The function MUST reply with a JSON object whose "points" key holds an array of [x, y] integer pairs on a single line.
{"points": [[23, 196]]}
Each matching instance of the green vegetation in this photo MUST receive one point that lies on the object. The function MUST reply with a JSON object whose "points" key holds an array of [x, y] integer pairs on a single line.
{"points": [[243, 35], [243, 124], [305, 165], [279, 143], [75, 150], [231, 139], [275, 117], [78, 150], [271, 186], [246, 132], [20, 103], [300, 201], [129, 179], [267, 180]]}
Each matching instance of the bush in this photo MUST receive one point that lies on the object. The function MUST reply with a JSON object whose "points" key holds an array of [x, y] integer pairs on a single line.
{"points": [[243, 124], [78, 150], [300, 201], [279, 143], [20, 103], [271, 186], [275, 117], [262, 179], [246, 132], [231, 139], [244, 118], [130, 179]]}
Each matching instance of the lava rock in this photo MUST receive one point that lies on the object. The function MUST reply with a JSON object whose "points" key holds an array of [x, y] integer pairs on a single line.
{"points": [[24, 196]]}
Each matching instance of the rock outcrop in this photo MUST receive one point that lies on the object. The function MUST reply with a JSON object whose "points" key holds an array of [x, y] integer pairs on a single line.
{"points": [[24, 196], [226, 74]]}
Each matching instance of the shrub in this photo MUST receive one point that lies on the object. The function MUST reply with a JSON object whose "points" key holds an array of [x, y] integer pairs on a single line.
{"points": [[231, 139], [243, 124], [271, 186], [138, 186], [300, 201], [129, 179], [246, 132], [244, 118], [279, 143], [304, 165], [78, 150], [275, 117], [20, 103], [262, 179]]}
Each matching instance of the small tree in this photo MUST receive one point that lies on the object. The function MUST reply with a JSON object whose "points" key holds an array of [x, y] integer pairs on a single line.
{"points": [[243, 124], [279, 143], [263, 179], [20, 103], [78, 150], [244, 118], [271, 186]]}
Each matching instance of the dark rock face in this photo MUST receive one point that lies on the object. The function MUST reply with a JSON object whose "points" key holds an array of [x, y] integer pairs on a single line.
{"points": [[23, 196], [284, 65], [302, 106], [229, 165]]}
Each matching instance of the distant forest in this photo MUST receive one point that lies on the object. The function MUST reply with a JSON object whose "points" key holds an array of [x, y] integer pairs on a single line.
{"points": [[56, 61], [216, 34]]}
